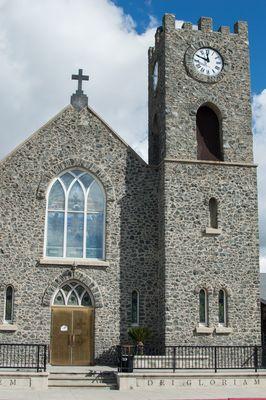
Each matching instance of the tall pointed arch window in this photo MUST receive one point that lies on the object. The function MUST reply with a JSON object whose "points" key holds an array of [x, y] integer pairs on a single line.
{"points": [[9, 304], [222, 300], [213, 213], [135, 307], [203, 307], [75, 216]]}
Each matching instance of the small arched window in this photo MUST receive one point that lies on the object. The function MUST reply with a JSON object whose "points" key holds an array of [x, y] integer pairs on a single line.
{"points": [[135, 307], [9, 305], [222, 307], [75, 217], [203, 307], [72, 294], [213, 212], [155, 76], [208, 135]]}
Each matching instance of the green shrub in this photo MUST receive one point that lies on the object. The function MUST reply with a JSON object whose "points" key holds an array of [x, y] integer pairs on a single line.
{"points": [[139, 334]]}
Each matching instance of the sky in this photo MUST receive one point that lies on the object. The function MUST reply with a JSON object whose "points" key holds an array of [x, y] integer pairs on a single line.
{"points": [[43, 42]]}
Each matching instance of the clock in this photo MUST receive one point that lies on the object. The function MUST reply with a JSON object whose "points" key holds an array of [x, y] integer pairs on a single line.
{"points": [[208, 61], [205, 62]]}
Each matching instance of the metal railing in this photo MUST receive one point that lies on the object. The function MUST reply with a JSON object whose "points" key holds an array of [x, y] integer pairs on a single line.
{"points": [[23, 356], [191, 357]]}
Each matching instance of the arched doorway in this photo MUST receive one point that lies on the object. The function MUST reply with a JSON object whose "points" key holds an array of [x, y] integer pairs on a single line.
{"points": [[72, 325]]}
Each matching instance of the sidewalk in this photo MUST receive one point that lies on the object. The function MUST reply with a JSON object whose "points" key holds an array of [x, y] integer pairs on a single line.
{"points": [[92, 394]]}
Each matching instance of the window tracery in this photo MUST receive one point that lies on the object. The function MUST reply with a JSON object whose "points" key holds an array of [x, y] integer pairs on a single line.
{"points": [[72, 294], [75, 216]]}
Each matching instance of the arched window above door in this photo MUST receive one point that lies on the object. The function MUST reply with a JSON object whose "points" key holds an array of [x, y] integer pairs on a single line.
{"points": [[208, 135], [75, 217], [72, 294]]}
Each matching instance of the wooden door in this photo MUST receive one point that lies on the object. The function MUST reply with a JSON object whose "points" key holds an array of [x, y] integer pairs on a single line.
{"points": [[72, 336]]}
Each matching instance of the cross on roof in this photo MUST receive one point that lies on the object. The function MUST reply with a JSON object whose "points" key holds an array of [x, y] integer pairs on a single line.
{"points": [[80, 78]]}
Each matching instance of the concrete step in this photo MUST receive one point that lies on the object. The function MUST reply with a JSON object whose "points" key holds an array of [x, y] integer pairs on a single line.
{"points": [[90, 380], [88, 385]]}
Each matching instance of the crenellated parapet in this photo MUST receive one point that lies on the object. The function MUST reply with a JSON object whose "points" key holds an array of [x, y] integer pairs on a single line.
{"points": [[205, 24]]}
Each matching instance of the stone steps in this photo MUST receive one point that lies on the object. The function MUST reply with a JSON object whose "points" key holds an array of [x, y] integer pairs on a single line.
{"points": [[101, 380]]}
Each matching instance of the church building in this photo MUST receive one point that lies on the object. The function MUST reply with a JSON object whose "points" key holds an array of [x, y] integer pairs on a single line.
{"points": [[94, 240]]}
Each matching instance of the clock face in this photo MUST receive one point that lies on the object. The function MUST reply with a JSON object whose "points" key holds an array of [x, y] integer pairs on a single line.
{"points": [[155, 76], [208, 61]]}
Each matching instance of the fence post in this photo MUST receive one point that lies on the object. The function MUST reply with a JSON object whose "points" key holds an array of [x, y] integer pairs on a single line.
{"points": [[44, 358], [256, 358], [38, 358], [215, 359], [174, 359]]}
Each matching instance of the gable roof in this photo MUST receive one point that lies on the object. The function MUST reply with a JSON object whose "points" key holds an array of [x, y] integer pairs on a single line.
{"points": [[116, 136]]}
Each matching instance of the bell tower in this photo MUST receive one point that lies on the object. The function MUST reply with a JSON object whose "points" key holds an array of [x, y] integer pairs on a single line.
{"points": [[200, 140]]}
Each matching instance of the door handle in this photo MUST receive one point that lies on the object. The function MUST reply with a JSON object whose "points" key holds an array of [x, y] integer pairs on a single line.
{"points": [[71, 340]]}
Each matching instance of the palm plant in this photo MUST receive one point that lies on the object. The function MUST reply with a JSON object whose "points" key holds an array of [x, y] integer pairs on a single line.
{"points": [[139, 335]]}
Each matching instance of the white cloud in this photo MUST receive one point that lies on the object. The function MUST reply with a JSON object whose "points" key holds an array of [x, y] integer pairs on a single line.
{"points": [[259, 119], [43, 42]]}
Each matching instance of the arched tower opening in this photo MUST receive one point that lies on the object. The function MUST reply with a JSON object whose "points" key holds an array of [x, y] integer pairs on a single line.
{"points": [[208, 135]]}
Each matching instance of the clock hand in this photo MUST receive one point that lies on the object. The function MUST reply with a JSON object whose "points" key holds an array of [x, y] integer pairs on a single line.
{"points": [[198, 61], [207, 53], [205, 59]]}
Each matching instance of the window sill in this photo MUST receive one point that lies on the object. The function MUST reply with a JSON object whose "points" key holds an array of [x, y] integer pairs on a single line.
{"points": [[212, 231], [8, 327], [73, 262], [223, 330], [204, 330]]}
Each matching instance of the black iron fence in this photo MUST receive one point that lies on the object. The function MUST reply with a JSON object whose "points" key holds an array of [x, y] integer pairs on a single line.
{"points": [[191, 357], [23, 356]]}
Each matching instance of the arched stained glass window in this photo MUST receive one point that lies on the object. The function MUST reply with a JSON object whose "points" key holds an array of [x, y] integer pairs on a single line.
{"points": [[222, 308], [75, 217], [9, 303], [135, 307], [203, 307], [72, 294]]}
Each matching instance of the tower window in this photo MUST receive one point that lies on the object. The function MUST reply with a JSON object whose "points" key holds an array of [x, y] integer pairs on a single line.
{"points": [[155, 76], [135, 307], [222, 308], [213, 210], [208, 135], [203, 307], [9, 302]]}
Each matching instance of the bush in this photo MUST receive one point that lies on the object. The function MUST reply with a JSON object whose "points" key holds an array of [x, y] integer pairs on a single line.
{"points": [[139, 335]]}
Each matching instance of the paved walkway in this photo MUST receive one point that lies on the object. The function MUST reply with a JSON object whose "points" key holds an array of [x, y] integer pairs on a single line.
{"points": [[91, 394]]}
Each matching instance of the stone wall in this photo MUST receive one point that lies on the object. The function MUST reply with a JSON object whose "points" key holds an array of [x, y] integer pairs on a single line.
{"points": [[195, 259], [191, 259], [81, 140]]}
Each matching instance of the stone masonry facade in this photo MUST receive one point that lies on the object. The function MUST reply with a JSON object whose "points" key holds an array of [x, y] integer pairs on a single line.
{"points": [[190, 258], [156, 213]]}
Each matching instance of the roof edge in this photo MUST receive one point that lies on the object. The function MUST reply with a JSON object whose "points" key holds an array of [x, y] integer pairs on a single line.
{"points": [[115, 134], [35, 133]]}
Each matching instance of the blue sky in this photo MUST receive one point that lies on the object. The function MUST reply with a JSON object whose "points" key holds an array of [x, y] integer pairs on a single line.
{"points": [[223, 12]]}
